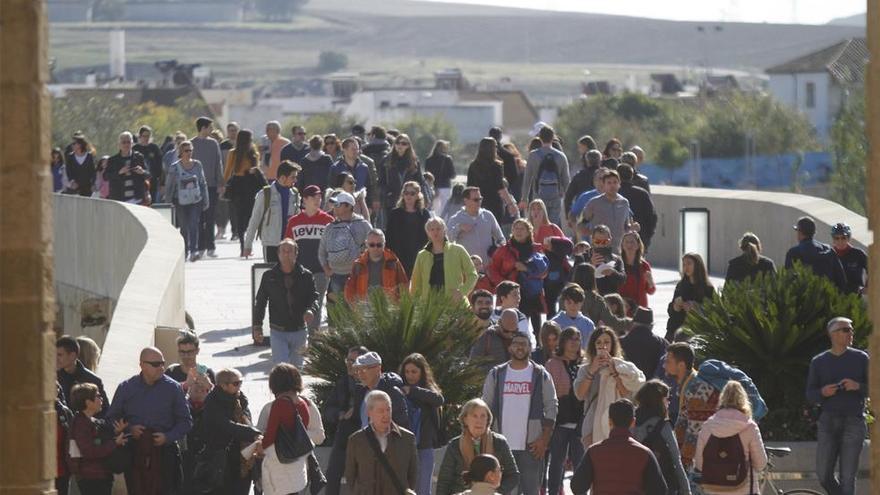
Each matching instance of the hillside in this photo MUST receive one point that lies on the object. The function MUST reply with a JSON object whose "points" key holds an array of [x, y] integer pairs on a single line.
{"points": [[858, 20], [411, 38]]}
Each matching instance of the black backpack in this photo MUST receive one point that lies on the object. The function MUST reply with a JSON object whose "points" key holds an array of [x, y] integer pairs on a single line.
{"points": [[724, 462], [657, 444]]}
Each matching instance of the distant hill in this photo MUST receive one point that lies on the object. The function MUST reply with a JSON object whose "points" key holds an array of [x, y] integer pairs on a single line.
{"points": [[860, 20]]}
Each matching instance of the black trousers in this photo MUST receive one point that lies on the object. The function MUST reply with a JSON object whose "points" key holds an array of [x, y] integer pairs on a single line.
{"points": [[95, 487], [336, 464], [207, 221]]}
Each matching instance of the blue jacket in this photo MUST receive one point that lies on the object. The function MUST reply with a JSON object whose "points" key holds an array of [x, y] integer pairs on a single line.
{"points": [[718, 373]]}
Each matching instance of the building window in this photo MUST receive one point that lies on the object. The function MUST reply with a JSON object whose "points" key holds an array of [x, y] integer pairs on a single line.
{"points": [[811, 95]]}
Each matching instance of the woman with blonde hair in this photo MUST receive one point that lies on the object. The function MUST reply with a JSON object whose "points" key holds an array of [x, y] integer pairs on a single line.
{"points": [[733, 419], [476, 438], [443, 264], [89, 353], [405, 232]]}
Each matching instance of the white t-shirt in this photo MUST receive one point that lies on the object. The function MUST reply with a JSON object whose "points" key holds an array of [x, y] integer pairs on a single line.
{"points": [[517, 396]]}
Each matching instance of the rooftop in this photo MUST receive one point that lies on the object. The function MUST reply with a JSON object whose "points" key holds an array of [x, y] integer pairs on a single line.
{"points": [[845, 61]]}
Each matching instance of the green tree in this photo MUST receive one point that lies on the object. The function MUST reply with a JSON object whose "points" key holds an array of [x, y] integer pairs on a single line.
{"points": [[425, 130], [329, 61], [278, 10], [849, 146], [777, 129], [671, 154]]}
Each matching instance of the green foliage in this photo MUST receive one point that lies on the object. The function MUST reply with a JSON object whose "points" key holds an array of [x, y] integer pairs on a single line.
{"points": [[770, 327], [425, 130], [322, 123], [664, 127], [849, 145], [278, 10], [102, 119], [431, 324], [776, 128], [329, 61]]}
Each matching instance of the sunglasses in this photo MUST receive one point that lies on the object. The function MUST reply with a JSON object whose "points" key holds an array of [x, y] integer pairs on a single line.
{"points": [[601, 242], [155, 364], [236, 383], [375, 244], [410, 193]]}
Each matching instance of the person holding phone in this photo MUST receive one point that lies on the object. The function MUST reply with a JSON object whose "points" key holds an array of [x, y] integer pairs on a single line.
{"points": [[610, 272], [603, 379]]}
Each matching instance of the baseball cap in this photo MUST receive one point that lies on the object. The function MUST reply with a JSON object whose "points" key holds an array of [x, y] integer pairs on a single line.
{"points": [[344, 198], [805, 225], [311, 190], [369, 359]]}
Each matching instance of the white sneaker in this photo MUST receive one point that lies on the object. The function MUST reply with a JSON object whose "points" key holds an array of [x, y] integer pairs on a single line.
{"points": [[212, 253]]}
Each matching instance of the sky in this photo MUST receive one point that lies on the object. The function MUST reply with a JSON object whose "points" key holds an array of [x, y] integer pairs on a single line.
{"points": [[772, 11]]}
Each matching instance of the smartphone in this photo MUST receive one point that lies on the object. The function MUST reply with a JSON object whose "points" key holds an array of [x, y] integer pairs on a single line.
{"points": [[604, 252]]}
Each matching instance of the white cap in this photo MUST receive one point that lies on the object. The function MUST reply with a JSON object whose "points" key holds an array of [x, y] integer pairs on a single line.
{"points": [[343, 198]]}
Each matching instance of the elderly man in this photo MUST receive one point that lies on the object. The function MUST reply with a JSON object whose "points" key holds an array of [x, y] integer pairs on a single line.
{"points": [[382, 457], [154, 407], [492, 346], [289, 289], [126, 173], [342, 243], [377, 267]]}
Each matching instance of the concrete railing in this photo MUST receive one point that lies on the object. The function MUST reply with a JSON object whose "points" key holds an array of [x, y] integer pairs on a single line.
{"points": [[130, 255], [770, 215]]}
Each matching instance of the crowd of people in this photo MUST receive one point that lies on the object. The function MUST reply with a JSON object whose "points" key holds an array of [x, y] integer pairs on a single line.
{"points": [[550, 254]]}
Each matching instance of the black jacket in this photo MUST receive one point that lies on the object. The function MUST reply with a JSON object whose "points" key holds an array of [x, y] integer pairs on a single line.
{"points": [[688, 292], [739, 268], [641, 180], [821, 258], [389, 383], [395, 179], [442, 169], [644, 349], [580, 183], [219, 428], [84, 174], [643, 209], [405, 238], [130, 186], [855, 266], [286, 315], [610, 284], [431, 434], [511, 172], [339, 400], [378, 151], [82, 375]]}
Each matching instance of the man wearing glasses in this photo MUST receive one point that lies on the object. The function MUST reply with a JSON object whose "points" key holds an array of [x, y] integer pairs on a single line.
{"points": [[127, 174], [854, 260], [376, 267], [474, 227], [155, 408], [838, 382], [298, 148]]}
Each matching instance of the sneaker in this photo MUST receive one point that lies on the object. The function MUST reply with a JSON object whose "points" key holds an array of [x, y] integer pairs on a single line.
{"points": [[212, 253], [201, 254], [220, 235], [233, 238], [195, 257]]}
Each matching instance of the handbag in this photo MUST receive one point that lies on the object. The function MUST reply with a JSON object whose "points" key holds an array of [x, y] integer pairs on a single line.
{"points": [[383, 460], [210, 471], [317, 480], [291, 444], [120, 460]]}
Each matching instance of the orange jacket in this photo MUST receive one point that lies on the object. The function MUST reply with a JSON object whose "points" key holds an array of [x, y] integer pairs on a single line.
{"points": [[393, 276]]}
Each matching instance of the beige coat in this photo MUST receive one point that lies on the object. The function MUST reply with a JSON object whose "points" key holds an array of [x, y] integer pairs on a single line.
{"points": [[364, 473]]}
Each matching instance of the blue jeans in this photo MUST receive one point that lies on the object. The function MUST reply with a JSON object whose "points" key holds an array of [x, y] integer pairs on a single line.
{"points": [[287, 347], [188, 219], [207, 222], [840, 442], [531, 472], [565, 443], [426, 471]]}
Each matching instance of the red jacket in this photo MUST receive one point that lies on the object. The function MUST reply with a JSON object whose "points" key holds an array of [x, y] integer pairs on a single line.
{"points": [[93, 448], [503, 264], [393, 276], [635, 286]]}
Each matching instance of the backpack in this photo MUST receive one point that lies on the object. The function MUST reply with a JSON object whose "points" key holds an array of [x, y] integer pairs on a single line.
{"points": [[267, 196], [724, 462], [655, 442], [548, 178]]}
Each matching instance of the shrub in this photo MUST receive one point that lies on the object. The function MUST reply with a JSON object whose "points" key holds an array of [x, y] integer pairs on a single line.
{"points": [[770, 327], [432, 324], [332, 61]]}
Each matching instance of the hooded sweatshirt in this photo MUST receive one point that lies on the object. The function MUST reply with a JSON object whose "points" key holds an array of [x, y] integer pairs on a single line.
{"points": [[342, 243], [724, 424]]}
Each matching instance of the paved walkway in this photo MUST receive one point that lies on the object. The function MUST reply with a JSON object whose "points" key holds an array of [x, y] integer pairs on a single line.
{"points": [[218, 298]]}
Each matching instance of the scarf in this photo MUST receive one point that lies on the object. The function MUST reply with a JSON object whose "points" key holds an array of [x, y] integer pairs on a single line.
{"points": [[632, 378], [523, 249], [467, 448]]}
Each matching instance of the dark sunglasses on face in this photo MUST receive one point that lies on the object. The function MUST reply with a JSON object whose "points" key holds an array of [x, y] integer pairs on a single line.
{"points": [[410, 193], [155, 364], [375, 244]]}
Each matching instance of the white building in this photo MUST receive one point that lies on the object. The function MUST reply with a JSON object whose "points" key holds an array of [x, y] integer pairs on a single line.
{"points": [[817, 84]]}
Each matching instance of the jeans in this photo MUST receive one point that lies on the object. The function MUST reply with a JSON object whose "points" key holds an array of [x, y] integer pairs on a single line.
{"points": [[565, 442], [188, 220], [531, 472], [426, 471], [287, 347], [206, 240], [840, 443], [554, 210], [321, 287]]}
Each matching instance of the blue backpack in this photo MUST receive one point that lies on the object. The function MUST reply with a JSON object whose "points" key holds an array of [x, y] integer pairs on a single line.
{"points": [[718, 373]]}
